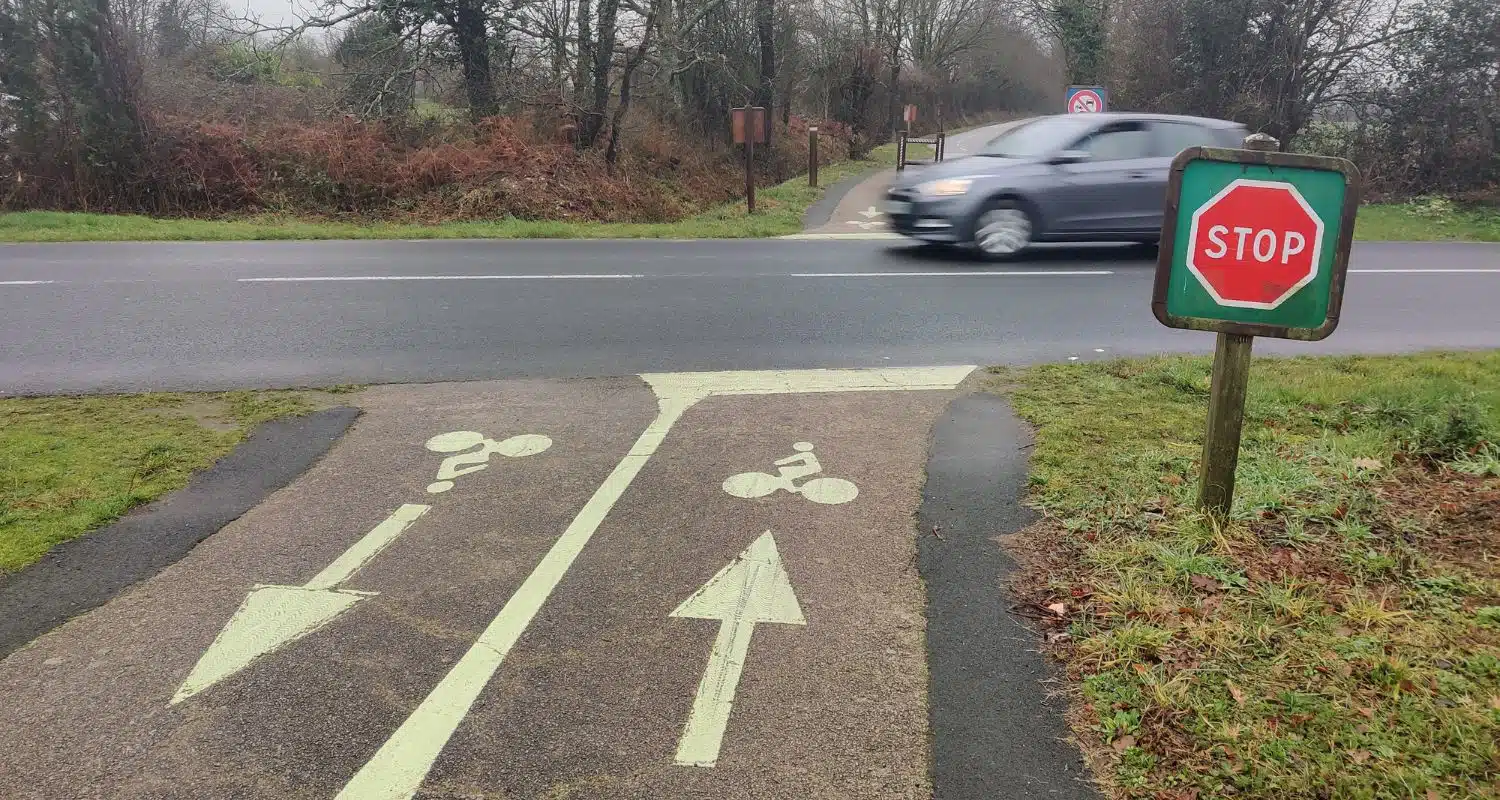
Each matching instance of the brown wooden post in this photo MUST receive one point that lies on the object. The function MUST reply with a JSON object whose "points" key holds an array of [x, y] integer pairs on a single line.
{"points": [[812, 156], [749, 172], [1226, 419], [900, 151], [1226, 402]]}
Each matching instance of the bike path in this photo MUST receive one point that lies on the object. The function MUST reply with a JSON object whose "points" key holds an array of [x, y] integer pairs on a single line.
{"points": [[529, 589]]}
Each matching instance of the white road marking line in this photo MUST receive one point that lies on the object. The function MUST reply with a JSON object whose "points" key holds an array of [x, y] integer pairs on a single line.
{"points": [[963, 273], [752, 589], [1415, 271], [272, 617], [397, 769], [871, 235], [351, 278], [25, 283]]}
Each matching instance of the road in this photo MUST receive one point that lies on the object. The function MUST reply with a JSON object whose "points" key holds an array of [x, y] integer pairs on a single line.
{"points": [[114, 317]]}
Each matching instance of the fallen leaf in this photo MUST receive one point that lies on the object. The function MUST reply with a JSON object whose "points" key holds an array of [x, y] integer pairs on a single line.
{"points": [[1140, 669], [1432, 794], [1123, 743], [1359, 756], [1172, 480], [1368, 463], [1495, 702], [1060, 609], [1236, 693], [1407, 686], [1367, 713], [1204, 582], [1058, 638]]}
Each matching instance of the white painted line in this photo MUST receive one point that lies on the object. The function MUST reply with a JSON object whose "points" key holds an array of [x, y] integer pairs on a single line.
{"points": [[349, 278], [1413, 271], [397, 769], [869, 235], [25, 283], [753, 589], [956, 274]]}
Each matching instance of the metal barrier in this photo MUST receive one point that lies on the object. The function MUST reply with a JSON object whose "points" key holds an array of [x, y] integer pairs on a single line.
{"points": [[939, 143]]}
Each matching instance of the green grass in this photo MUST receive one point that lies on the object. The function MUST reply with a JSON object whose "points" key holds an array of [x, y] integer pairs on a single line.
{"points": [[1428, 219], [779, 211], [69, 465], [1337, 637]]}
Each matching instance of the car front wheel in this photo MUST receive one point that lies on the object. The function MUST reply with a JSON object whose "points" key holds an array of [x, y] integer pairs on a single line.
{"points": [[1003, 230]]}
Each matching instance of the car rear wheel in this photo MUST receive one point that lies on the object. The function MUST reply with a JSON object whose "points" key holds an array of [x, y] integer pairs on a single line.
{"points": [[1003, 230]]}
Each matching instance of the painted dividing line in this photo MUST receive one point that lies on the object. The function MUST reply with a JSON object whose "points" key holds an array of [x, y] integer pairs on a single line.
{"points": [[25, 283], [353, 278], [1445, 270], [955, 274]]}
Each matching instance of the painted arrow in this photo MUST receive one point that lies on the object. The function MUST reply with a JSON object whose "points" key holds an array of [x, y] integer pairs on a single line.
{"points": [[754, 588], [273, 617]]}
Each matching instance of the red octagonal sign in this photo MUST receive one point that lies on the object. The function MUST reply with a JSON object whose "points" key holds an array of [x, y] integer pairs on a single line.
{"points": [[1254, 244]]}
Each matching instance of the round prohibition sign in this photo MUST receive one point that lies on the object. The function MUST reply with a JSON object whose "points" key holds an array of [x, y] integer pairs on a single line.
{"points": [[1086, 101]]}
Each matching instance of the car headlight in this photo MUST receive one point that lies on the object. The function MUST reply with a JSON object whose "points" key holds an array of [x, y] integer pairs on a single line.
{"points": [[946, 187]]}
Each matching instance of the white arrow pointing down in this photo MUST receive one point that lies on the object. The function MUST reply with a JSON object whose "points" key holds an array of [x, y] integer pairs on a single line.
{"points": [[754, 588]]}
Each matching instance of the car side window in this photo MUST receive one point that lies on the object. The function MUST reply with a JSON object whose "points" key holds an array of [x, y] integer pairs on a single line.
{"points": [[1117, 143], [1174, 137]]}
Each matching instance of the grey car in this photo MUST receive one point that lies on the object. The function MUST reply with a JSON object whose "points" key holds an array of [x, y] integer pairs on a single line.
{"points": [[1062, 178]]}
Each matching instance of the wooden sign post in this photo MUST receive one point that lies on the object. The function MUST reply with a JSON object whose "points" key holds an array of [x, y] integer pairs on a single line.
{"points": [[749, 125], [812, 156]]}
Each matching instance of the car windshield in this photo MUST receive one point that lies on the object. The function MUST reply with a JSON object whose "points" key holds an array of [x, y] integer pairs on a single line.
{"points": [[1036, 138]]}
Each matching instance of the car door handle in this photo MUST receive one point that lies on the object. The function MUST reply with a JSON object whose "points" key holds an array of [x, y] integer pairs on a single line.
{"points": [[1138, 176]]}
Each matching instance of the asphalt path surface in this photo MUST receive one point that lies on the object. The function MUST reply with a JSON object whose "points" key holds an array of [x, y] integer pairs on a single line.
{"points": [[116, 317], [666, 586]]}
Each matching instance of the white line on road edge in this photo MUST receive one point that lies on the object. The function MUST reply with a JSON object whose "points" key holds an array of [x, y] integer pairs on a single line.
{"points": [[963, 273], [1411, 271], [397, 770], [867, 235], [25, 283], [331, 279]]}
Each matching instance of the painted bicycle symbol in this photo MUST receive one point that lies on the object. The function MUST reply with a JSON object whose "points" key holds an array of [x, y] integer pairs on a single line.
{"points": [[804, 464], [526, 444]]}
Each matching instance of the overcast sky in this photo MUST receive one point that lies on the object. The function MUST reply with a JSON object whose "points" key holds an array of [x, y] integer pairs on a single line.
{"points": [[272, 12]]}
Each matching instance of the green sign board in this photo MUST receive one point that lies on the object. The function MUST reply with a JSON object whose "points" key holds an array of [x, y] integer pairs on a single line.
{"points": [[1256, 243]]}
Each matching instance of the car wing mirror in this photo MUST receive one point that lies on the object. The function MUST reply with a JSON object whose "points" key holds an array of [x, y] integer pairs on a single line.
{"points": [[1070, 157]]}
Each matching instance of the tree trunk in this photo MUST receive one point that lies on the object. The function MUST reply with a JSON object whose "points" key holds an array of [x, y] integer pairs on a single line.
{"points": [[765, 18], [611, 153], [585, 53], [604, 51], [473, 40]]}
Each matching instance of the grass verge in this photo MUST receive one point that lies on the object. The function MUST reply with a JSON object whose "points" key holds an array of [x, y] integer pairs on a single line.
{"points": [[1428, 219], [1338, 637], [69, 465], [779, 211]]}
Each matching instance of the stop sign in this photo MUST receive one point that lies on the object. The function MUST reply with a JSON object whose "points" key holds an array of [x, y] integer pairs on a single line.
{"points": [[1255, 243]]}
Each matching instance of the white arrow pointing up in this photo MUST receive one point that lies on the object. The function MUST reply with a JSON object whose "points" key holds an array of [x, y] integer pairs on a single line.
{"points": [[753, 588], [273, 617]]}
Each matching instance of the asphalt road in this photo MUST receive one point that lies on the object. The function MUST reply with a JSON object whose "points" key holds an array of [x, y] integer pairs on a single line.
{"points": [[96, 317]]}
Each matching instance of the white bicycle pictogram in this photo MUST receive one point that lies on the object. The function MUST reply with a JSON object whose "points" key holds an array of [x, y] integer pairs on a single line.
{"points": [[828, 491], [462, 464]]}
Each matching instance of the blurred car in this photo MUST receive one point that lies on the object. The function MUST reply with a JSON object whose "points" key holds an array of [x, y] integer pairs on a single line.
{"points": [[1061, 178]]}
